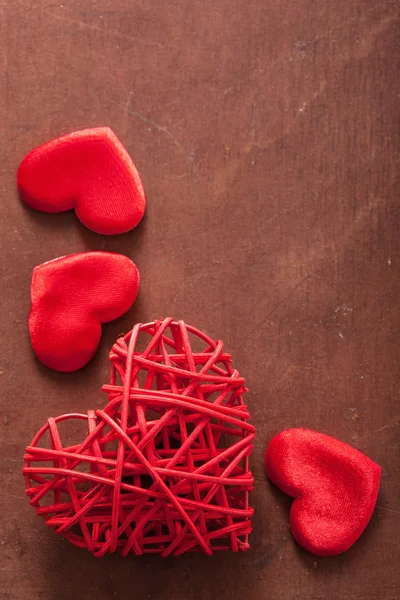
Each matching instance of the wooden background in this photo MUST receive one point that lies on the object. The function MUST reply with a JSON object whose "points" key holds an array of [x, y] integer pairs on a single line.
{"points": [[267, 136]]}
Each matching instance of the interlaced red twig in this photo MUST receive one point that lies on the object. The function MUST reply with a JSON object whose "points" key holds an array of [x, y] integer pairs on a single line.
{"points": [[164, 467]]}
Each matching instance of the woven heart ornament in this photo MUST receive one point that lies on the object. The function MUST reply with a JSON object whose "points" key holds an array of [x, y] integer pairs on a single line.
{"points": [[164, 467]]}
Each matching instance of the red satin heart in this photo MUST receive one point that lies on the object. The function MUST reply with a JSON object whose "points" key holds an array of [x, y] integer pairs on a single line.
{"points": [[71, 297], [89, 171], [334, 485]]}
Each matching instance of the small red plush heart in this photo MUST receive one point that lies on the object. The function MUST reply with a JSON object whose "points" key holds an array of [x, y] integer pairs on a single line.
{"points": [[89, 171], [71, 297], [334, 485]]}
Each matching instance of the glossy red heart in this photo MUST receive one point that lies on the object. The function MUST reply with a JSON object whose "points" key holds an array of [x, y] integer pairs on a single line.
{"points": [[334, 485], [89, 171], [71, 297]]}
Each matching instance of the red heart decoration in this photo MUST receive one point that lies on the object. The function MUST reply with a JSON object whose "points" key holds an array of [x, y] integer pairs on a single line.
{"points": [[71, 297], [89, 171], [334, 485], [164, 468]]}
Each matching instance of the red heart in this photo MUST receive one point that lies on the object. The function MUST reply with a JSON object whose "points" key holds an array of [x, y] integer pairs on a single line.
{"points": [[334, 485], [89, 171], [164, 468], [71, 297]]}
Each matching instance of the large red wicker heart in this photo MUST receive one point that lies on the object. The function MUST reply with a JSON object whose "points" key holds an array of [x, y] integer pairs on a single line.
{"points": [[165, 466]]}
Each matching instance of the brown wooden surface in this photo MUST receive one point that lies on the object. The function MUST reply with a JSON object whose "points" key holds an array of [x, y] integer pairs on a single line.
{"points": [[267, 136]]}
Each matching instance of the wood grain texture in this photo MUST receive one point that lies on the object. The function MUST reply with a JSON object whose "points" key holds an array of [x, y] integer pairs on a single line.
{"points": [[267, 136]]}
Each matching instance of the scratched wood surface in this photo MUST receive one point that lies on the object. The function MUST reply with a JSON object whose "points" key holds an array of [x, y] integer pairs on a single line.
{"points": [[267, 136]]}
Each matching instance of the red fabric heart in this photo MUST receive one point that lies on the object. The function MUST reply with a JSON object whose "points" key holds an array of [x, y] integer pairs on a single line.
{"points": [[334, 485], [89, 171], [71, 297]]}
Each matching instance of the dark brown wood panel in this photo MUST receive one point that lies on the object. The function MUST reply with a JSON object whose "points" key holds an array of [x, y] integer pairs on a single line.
{"points": [[267, 135]]}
